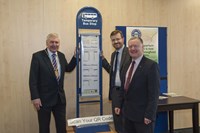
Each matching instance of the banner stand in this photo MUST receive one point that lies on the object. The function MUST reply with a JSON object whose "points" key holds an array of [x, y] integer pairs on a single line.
{"points": [[89, 66], [155, 48]]}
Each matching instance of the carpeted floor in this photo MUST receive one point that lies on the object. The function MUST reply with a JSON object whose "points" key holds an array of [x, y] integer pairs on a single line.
{"points": [[186, 130]]}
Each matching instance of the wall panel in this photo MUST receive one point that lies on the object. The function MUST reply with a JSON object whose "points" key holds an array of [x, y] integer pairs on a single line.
{"points": [[25, 24]]}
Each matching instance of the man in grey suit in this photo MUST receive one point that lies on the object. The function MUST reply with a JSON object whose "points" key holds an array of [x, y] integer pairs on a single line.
{"points": [[46, 79], [118, 59], [139, 94]]}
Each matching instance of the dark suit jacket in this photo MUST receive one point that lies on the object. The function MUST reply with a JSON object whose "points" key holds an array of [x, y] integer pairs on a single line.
{"points": [[42, 80], [109, 67], [140, 101]]}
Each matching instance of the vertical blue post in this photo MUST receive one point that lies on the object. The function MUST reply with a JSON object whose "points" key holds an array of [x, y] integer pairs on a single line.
{"points": [[88, 18], [162, 120]]}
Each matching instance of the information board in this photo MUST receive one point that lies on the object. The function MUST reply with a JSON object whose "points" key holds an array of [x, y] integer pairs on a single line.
{"points": [[90, 65]]}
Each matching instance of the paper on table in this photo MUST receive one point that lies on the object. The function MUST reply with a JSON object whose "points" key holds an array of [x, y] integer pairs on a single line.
{"points": [[171, 94], [162, 97]]}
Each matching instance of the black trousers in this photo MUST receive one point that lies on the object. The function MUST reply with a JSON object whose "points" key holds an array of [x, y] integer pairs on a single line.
{"points": [[117, 119], [138, 127], [59, 113]]}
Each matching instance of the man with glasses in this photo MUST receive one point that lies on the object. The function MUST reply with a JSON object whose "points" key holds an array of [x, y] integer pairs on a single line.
{"points": [[46, 79], [118, 58]]}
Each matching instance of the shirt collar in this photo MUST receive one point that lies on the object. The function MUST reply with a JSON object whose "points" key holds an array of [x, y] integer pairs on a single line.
{"points": [[137, 61], [50, 53], [120, 50]]}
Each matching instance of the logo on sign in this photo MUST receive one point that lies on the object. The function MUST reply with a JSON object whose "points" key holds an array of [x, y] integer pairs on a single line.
{"points": [[89, 15], [89, 18], [136, 33]]}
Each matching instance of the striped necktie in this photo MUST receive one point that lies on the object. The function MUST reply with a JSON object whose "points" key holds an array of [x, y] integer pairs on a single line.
{"points": [[55, 67], [128, 79]]}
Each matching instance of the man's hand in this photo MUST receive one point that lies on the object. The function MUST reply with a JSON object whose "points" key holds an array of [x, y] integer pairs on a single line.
{"points": [[37, 103], [102, 56], [77, 51], [117, 111], [147, 121]]}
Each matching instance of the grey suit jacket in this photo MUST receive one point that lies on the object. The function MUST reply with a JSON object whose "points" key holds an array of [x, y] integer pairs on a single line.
{"points": [[42, 79], [140, 101], [108, 67]]}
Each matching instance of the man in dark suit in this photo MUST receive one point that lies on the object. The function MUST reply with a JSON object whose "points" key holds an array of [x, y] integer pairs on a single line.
{"points": [[118, 58], [139, 95], [46, 79]]}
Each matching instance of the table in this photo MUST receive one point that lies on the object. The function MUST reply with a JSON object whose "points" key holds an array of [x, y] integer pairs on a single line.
{"points": [[177, 103]]}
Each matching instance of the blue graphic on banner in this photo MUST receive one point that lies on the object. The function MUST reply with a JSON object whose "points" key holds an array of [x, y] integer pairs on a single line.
{"points": [[136, 33]]}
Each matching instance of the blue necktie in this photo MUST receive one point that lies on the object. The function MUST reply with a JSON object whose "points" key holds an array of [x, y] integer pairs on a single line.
{"points": [[115, 68]]}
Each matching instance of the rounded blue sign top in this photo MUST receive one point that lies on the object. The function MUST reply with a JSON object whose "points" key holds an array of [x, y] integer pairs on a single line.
{"points": [[89, 18]]}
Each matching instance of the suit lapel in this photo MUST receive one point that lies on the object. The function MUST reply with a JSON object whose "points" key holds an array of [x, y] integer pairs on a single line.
{"points": [[124, 57], [138, 70], [125, 69], [62, 65], [48, 62], [112, 61]]}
